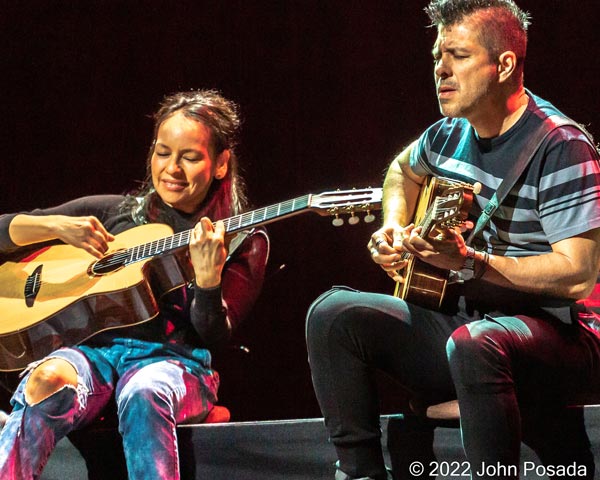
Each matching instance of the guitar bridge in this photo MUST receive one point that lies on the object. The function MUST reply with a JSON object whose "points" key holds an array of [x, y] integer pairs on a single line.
{"points": [[32, 286]]}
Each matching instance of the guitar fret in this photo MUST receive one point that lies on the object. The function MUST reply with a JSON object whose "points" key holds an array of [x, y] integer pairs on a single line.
{"points": [[183, 238], [246, 221], [274, 211]]}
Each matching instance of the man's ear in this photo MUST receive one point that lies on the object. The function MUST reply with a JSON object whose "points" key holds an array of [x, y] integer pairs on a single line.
{"points": [[507, 64]]}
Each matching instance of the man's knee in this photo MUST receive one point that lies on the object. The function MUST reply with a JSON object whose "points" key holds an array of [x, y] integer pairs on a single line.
{"points": [[49, 377], [473, 339], [477, 353], [325, 309]]}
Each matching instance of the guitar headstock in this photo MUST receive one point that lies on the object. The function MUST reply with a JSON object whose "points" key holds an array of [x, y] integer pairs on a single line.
{"points": [[347, 202], [445, 211]]}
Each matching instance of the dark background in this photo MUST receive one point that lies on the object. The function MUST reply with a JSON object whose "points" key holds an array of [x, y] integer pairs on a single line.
{"points": [[330, 90]]}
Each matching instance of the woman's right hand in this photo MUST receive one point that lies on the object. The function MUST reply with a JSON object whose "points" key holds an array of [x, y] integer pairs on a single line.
{"points": [[86, 233]]}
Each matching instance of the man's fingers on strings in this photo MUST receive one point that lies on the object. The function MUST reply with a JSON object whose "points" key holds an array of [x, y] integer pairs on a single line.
{"points": [[395, 275], [376, 241]]}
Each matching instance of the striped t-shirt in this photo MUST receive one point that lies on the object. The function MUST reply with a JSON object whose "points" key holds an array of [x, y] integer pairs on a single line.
{"points": [[557, 197]]}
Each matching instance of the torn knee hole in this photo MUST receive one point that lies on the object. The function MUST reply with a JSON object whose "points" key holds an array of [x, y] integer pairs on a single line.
{"points": [[48, 378]]}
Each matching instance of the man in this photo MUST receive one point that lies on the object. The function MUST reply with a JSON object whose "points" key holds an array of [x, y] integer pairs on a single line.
{"points": [[507, 341]]}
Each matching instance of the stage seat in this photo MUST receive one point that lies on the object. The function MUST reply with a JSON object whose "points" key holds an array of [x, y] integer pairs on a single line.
{"points": [[450, 410], [218, 414], [274, 450]]}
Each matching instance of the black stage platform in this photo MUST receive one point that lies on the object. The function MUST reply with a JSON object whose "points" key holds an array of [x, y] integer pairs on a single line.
{"points": [[290, 449]]}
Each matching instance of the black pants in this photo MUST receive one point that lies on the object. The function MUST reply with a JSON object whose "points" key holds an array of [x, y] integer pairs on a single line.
{"points": [[513, 377]]}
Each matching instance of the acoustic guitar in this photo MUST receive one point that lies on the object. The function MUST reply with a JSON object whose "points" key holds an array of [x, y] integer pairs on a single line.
{"points": [[442, 203], [62, 296]]}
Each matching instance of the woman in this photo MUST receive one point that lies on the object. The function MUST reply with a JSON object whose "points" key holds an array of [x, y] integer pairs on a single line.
{"points": [[159, 371]]}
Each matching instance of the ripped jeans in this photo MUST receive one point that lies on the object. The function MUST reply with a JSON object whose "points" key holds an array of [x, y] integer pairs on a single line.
{"points": [[155, 389]]}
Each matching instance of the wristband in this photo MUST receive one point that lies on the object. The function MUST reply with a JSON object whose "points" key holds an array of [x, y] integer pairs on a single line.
{"points": [[482, 266], [467, 271]]}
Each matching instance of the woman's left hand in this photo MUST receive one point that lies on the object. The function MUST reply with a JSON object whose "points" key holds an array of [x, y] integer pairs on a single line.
{"points": [[208, 252]]}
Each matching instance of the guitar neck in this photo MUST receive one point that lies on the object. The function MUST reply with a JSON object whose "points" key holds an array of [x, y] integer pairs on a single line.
{"points": [[237, 223], [265, 215]]}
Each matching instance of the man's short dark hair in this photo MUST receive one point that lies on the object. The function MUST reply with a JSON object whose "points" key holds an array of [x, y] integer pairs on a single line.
{"points": [[505, 23]]}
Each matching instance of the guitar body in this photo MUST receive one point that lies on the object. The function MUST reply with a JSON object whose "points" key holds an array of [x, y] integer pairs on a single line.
{"points": [[424, 284], [73, 304]]}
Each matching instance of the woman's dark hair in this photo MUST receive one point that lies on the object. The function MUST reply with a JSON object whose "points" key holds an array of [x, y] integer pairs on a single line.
{"points": [[226, 196]]}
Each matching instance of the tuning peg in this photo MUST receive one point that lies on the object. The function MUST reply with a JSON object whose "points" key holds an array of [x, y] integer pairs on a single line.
{"points": [[369, 217], [337, 221], [353, 220]]}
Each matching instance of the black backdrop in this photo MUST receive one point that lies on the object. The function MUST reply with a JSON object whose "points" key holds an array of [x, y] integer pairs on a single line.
{"points": [[329, 90]]}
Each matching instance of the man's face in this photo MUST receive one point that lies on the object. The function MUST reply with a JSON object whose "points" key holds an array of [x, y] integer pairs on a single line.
{"points": [[465, 75]]}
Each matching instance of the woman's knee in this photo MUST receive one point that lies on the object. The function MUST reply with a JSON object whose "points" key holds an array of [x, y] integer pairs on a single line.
{"points": [[48, 378], [148, 388]]}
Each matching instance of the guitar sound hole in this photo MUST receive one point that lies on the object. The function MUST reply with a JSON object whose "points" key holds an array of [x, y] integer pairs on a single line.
{"points": [[108, 264]]}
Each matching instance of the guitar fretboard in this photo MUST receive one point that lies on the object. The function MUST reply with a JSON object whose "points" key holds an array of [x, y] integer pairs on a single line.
{"points": [[233, 224]]}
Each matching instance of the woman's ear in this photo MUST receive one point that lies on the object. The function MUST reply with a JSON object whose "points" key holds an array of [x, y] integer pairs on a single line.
{"points": [[222, 164]]}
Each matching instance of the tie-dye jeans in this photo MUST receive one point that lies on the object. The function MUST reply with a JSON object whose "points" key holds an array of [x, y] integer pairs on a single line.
{"points": [[155, 389]]}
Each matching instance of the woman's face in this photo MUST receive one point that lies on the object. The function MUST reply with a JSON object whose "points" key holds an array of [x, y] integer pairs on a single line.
{"points": [[183, 164]]}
